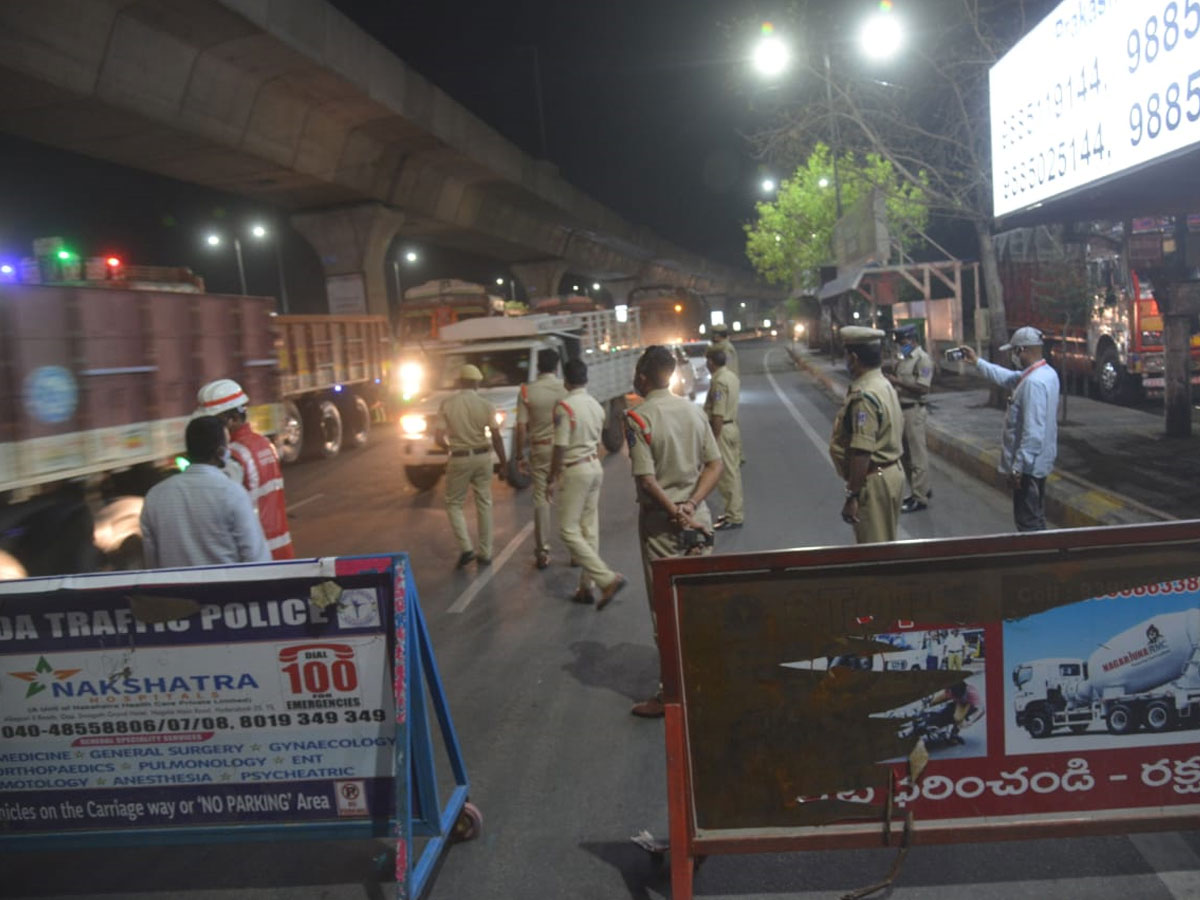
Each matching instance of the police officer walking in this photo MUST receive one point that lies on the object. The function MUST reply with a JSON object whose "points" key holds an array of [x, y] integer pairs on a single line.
{"points": [[865, 445], [721, 342], [912, 380], [578, 423], [676, 464], [535, 424], [464, 420], [721, 407]]}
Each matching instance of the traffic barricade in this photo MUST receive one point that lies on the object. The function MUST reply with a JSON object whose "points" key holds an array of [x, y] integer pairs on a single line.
{"points": [[1007, 687], [228, 703]]}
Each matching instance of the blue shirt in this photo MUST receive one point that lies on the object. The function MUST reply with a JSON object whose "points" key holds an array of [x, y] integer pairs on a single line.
{"points": [[1030, 442], [200, 518]]}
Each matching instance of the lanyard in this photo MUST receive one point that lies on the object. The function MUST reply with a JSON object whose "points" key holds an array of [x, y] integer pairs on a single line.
{"points": [[1028, 372]]}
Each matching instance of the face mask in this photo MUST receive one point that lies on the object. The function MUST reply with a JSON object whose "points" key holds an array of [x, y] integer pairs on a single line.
{"points": [[222, 457], [850, 364], [1016, 360]]}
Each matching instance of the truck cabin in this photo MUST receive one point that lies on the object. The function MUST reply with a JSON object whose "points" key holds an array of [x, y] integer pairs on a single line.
{"points": [[1051, 671]]}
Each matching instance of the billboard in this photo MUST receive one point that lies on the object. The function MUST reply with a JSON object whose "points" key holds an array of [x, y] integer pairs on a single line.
{"points": [[1003, 687], [1096, 90]]}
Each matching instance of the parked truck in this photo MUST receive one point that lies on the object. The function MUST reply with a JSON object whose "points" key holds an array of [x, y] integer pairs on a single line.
{"points": [[98, 381], [430, 307], [505, 351], [1146, 676], [1102, 322]]}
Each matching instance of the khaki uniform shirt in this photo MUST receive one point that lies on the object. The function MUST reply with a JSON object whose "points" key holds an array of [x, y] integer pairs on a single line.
{"points": [[535, 408], [578, 423], [722, 397], [465, 416], [913, 370], [731, 360], [870, 420], [669, 438]]}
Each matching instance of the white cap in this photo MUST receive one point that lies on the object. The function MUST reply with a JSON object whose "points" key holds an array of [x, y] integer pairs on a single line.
{"points": [[1026, 336]]}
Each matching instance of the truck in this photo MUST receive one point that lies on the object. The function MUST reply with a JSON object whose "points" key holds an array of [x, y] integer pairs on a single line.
{"points": [[98, 379], [1147, 676], [429, 307], [1099, 314], [669, 315], [505, 350]]}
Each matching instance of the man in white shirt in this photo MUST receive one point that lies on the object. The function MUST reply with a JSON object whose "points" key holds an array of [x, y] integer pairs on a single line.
{"points": [[1030, 440], [200, 517]]}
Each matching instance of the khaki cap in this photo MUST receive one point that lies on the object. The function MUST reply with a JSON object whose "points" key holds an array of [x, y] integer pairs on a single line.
{"points": [[470, 373], [859, 334]]}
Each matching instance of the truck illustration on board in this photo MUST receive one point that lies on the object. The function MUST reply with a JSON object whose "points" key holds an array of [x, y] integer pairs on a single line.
{"points": [[1147, 676]]}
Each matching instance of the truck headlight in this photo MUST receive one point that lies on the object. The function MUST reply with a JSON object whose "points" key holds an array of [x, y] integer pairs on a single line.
{"points": [[412, 376], [413, 425]]}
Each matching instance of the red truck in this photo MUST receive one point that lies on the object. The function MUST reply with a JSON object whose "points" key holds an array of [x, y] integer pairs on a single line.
{"points": [[1114, 336]]}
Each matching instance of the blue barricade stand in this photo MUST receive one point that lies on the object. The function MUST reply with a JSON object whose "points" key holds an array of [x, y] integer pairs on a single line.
{"points": [[273, 701]]}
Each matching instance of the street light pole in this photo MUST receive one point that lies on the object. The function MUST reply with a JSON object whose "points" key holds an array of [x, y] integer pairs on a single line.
{"points": [[237, 250], [833, 136]]}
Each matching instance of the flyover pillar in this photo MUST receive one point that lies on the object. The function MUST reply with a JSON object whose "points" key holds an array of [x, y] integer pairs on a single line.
{"points": [[541, 278], [620, 289], [352, 243]]}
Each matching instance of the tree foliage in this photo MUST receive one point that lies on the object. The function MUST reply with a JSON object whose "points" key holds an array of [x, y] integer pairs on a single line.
{"points": [[793, 234]]}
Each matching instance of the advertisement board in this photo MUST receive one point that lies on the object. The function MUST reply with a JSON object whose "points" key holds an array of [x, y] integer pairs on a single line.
{"points": [[251, 706], [1005, 687], [1097, 89], [281, 700]]}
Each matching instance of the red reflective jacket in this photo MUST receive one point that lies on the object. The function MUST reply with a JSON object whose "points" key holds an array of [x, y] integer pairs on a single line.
{"points": [[263, 480]]}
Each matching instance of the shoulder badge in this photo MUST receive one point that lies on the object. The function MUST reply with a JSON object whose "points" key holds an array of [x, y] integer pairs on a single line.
{"points": [[634, 420], [525, 393], [562, 405]]}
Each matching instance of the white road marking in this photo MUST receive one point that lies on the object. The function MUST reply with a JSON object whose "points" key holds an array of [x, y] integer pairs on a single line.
{"points": [[481, 580], [822, 444], [300, 503], [1173, 860]]}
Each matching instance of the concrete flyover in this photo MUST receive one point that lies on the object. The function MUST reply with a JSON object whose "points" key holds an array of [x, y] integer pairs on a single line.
{"points": [[289, 102]]}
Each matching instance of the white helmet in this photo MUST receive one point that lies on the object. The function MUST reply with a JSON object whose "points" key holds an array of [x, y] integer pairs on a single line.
{"points": [[220, 396]]}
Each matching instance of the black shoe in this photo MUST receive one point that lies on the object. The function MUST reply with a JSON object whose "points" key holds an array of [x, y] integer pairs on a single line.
{"points": [[482, 561], [725, 525], [912, 505], [583, 596], [463, 559], [542, 559]]}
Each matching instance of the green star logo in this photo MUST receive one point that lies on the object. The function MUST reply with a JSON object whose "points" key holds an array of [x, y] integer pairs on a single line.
{"points": [[42, 676]]}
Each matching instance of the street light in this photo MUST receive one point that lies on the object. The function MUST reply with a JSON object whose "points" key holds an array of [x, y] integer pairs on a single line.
{"points": [[259, 232], [512, 288], [768, 185], [882, 34], [410, 256], [595, 285], [771, 55]]}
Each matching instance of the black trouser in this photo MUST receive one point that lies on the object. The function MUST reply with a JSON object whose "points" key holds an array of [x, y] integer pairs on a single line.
{"points": [[1029, 504]]}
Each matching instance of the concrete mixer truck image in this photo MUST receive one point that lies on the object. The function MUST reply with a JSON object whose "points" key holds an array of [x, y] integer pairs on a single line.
{"points": [[1145, 678]]}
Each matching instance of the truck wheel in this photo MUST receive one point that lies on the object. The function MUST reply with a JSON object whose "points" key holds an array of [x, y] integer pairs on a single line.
{"points": [[1110, 376], [290, 440], [1038, 725], [1159, 716], [356, 420], [423, 478], [613, 435], [516, 478], [1121, 719], [323, 425]]}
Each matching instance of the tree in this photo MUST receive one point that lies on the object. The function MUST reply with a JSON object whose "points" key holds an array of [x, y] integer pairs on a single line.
{"points": [[931, 122], [793, 235]]}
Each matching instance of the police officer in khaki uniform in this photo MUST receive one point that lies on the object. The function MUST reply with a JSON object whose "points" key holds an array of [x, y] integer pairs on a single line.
{"points": [[464, 421], [721, 342], [535, 424], [865, 445], [912, 379], [721, 407], [676, 464], [578, 423]]}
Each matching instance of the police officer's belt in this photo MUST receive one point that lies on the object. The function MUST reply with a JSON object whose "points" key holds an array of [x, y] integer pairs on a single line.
{"points": [[912, 404], [879, 467], [583, 459], [542, 443], [474, 452]]}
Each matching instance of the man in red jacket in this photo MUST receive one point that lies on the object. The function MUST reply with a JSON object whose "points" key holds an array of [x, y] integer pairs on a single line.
{"points": [[261, 474]]}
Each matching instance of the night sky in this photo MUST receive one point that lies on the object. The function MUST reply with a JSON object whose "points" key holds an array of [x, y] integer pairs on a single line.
{"points": [[647, 107]]}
